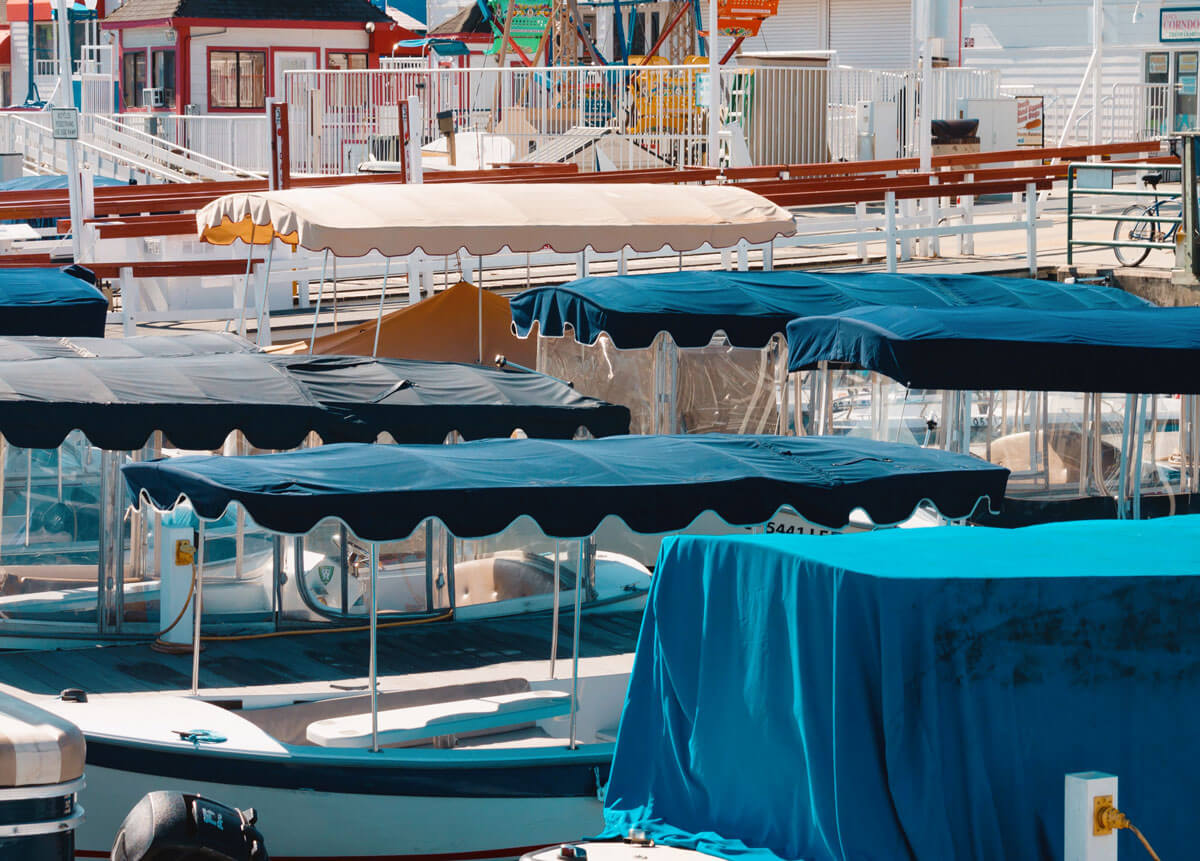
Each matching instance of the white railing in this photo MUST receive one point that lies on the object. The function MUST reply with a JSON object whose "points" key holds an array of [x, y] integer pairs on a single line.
{"points": [[229, 144], [646, 116], [1139, 112], [140, 134], [616, 117], [30, 134]]}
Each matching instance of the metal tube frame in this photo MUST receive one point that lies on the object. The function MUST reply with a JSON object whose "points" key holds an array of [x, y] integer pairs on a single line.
{"points": [[197, 609]]}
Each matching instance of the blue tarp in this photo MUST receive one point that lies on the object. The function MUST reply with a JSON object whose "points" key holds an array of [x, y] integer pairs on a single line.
{"points": [[751, 307], [445, 47], [913, 694], [30, 183], [1154, 350], [653, 483], [50, 302], [197, 388]]}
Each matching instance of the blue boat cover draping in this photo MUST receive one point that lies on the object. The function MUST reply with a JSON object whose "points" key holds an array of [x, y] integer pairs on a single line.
{"points": [[197, 388], [653, 483], [50, 302], [1134, 350], [912, 694], [751, 307]]}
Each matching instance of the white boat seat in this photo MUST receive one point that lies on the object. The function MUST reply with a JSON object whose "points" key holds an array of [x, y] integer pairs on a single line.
{"points": [[440, 719]]}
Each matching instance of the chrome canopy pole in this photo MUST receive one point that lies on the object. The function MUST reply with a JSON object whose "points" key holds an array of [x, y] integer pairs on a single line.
{"points": [[197, 610], [1126, 444], [260, 311], [554, 622], [575, 645], [29, 491], [374, 669], [387, 268], [241, 326], [317, 313], [1140, 447]]}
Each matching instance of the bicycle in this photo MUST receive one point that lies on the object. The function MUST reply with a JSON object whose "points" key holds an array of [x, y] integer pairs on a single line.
{"points": [[1133, 230]]}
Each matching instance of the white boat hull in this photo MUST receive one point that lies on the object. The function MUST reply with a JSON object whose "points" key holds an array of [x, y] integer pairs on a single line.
{"points": [[309, 825]]}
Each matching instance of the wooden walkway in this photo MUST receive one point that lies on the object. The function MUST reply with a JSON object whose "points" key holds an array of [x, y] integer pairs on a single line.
{"points": [[318, 657]]}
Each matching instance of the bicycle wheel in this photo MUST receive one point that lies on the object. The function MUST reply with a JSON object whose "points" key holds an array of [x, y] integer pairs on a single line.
{"points": [[1133, 230]]}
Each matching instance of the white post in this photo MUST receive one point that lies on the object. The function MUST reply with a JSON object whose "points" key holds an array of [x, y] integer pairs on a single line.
{"points": [[67, 100], [925, 117], [1031, 203], [1080, 805], [175, 584], [714, 86], [129, 300], [416, 171], [860, 215], [374, 669], [1097, 68], [889, 233]]}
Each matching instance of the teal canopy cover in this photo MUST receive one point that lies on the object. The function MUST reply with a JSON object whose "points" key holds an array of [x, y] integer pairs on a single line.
{"points": [[653, 483], [913, 694], [751, 307], [1142, 350], [53, 302]]}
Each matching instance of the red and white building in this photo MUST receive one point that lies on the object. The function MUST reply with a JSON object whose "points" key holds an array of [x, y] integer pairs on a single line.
{"points": [[229, 56]]}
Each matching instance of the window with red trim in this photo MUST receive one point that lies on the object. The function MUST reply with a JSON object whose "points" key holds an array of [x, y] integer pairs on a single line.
{"points": [[162, 70], [345, 59], [237, 79], [133, 78]]}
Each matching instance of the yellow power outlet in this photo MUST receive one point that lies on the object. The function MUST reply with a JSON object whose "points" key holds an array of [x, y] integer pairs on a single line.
{"points": [[185, 553], [1099, 803]]}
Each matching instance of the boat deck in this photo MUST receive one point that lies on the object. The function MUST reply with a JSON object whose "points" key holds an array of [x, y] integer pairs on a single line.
{"points": [[318, 657]]}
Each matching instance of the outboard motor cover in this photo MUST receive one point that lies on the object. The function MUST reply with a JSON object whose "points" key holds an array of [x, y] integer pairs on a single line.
{"points": [[182, 827]]}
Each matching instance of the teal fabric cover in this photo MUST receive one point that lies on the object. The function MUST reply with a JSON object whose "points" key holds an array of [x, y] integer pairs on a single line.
{"points": [[653, 483], [1143, 350], [913, 694], [751, 307]]}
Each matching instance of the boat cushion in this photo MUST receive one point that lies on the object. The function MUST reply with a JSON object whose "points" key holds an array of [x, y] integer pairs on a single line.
{"points": [[417, 722]]}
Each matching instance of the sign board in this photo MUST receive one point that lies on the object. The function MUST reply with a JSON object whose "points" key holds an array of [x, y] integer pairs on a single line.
{"points": [[281, 157], [529, 19], [66, 123], [1031, 121], [1181, 24], [1093, 177]]}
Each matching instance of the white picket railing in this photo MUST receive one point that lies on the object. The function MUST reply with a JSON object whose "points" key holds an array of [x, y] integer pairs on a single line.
{"points": [[226, 144], [613, 117]]}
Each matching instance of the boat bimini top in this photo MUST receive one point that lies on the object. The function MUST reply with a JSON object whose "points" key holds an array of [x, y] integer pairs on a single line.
{"points": [[567, 487], [1132, 350], [653, 483], [752, 307], [197, 388], [483, 218], [53, 302]]}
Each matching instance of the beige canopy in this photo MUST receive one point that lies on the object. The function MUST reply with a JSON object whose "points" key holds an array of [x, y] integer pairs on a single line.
{"points": [[483, 218]]}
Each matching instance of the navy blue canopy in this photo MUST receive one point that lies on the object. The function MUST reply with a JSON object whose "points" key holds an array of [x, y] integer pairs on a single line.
{"points": [[912, 694], [653, 483], [1153, 350], [63, 303], [197, 388], [751, 307]]}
